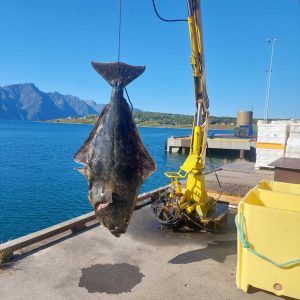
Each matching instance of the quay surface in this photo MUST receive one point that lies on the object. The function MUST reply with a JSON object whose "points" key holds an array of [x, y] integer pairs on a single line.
{"points": [[146, 263], [236, 180]]}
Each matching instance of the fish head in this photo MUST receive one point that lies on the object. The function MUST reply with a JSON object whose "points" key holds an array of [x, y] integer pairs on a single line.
{"points": [[113, 207]]}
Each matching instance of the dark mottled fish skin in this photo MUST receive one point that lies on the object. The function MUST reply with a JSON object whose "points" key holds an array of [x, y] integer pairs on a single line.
{"points": [[114, 157]]}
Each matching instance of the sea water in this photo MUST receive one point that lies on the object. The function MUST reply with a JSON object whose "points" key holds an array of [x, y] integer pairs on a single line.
{"points": [[39, 183]]}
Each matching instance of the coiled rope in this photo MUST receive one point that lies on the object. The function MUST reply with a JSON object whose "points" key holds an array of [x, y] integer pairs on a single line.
{"points": [[246, 245]]}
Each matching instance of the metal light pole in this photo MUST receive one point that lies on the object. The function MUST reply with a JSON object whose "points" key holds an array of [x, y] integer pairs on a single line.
{"points": [[272, 42]]}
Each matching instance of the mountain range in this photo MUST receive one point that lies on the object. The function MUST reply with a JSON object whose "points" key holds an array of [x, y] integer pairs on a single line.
{"points": [[27, 102]]}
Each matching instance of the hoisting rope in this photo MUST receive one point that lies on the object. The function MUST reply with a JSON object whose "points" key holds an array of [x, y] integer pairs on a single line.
{"points": [[119, 29], [215, 172], [119, 47], [128, 98], [246, 245]]}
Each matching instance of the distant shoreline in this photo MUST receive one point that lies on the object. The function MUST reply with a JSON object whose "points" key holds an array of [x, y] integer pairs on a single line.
{"points": [[82, 123], [85, 123], [72, 121], [157, 120]]}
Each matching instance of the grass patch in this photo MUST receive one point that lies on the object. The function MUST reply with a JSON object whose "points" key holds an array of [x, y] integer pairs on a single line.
{"points": [[5, 256]]}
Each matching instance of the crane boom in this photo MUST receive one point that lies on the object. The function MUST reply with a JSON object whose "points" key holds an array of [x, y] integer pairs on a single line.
{"points": [[187, 198], [197, 62], [197, 56]]}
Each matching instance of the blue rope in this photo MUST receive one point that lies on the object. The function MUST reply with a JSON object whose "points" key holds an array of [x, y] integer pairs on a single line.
{"points": [[246, 245]]}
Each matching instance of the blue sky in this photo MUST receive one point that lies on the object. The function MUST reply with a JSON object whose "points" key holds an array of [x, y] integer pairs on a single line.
{"points": [[51, 44]]}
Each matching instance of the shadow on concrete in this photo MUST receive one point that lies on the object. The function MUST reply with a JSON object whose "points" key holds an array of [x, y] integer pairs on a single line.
{"points": [[144, 227], [110, 278], [217, 250]]}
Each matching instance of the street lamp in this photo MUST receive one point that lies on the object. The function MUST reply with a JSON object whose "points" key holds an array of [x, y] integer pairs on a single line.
{"points": [[272, 43]]}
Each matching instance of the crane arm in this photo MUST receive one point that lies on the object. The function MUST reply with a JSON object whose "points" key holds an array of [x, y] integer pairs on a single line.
{"points": [[200, 126], [197, 56], [193, 197]]}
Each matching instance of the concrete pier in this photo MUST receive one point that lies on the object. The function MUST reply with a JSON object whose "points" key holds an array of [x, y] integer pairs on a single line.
{"points": [[224, 142], [148, 262]]}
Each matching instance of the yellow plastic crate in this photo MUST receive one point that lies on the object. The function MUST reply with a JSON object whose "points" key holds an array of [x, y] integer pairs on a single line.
{"points": [[268, 222], [280, 187]]}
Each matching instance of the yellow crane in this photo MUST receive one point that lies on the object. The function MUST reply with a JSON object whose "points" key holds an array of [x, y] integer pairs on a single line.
{"points": [[187, 197]]}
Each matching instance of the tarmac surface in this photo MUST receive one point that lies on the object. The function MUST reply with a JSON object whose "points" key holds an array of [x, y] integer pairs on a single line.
{"points": [[146, 263]]}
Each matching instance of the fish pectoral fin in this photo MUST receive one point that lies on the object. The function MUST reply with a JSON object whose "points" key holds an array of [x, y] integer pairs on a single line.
{"points": [[82, 154], [148, 166], [146, 161]]}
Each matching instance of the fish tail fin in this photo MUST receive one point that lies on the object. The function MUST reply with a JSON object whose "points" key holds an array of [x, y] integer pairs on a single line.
{"points": [[118, 73]]}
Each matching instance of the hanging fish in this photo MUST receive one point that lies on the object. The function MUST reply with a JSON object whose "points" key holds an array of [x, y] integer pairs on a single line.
{"points": [[115, 160]]}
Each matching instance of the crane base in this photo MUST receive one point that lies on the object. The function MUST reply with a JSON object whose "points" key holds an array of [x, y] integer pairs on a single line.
{"points": [[213, 223]]}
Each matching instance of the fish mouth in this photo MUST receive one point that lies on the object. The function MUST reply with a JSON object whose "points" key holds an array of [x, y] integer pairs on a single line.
{"points": [[100, 205], [117, 232]]}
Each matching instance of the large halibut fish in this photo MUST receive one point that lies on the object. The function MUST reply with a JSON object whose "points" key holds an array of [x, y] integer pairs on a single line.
{"points": [[115, 160]]}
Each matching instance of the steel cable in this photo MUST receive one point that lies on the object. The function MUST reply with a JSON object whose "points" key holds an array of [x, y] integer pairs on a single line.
{"points": [[163, 19], [119, 29]]}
